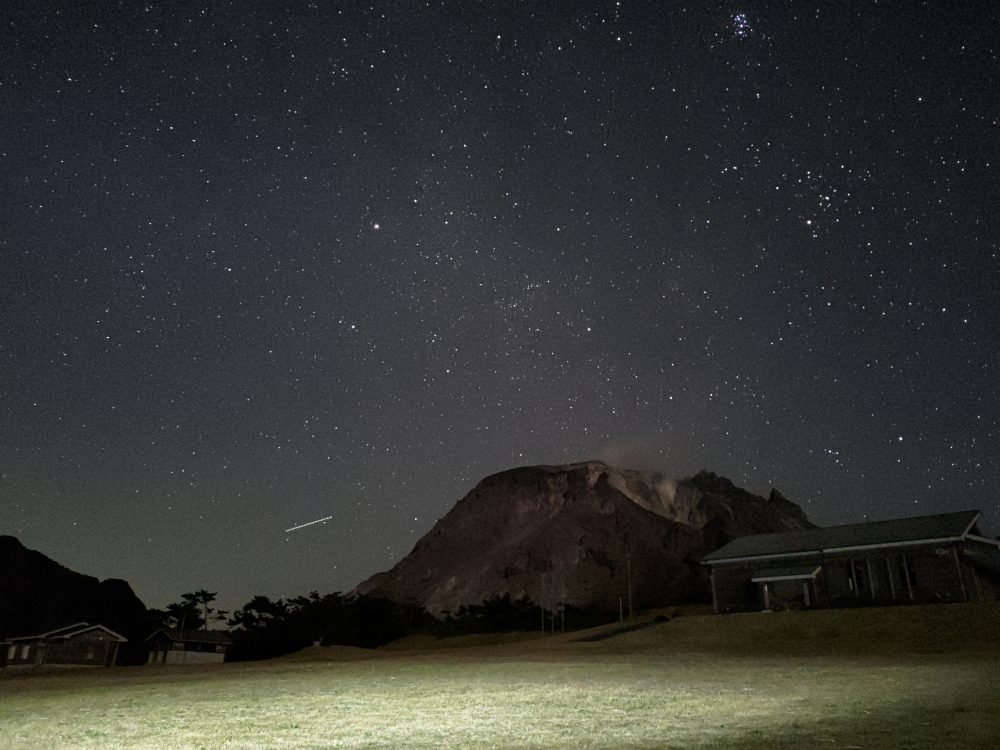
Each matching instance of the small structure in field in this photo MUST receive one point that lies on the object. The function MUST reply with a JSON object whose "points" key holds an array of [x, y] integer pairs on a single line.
{"points": [[80, 644], [917, 560], [176, 646]]}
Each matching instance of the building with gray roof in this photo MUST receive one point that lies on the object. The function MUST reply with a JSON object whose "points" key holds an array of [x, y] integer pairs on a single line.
{"points": [[922, 559]]}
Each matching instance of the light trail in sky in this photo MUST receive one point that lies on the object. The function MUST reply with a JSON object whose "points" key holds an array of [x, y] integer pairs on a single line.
{"points": [[303, 525]]}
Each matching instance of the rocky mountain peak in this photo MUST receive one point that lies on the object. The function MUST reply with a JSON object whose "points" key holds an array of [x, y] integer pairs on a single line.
{"points": [[531, 530]]}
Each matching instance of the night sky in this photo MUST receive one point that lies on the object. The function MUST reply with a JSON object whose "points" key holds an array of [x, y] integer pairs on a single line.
{"points": [[265, 263]]}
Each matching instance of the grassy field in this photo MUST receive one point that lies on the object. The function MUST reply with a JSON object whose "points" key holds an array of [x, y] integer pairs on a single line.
{"points": [[905, 678]]}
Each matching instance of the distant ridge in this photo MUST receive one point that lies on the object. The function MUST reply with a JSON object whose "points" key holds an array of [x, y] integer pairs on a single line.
{"points": [[578, 534]]}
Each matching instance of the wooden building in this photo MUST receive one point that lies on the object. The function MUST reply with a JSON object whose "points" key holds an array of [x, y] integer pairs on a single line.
{"points": [[80, 644], [919, 560], [176, 646]]}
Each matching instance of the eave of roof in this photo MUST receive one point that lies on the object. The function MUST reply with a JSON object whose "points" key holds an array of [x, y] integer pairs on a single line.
{"points": [[109, 631], [984, 540], [834, 550], [194, 636], [792, 573], [67, 632], [65, 628], [903, 532]]}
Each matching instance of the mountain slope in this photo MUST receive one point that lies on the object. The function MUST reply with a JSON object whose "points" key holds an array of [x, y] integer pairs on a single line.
{"points": [[578, 534]]}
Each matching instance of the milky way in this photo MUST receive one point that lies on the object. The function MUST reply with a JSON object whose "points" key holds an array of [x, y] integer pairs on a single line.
{"points": [[261, 265]]}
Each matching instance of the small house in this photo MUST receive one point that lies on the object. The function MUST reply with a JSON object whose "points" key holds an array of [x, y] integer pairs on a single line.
{"points": [[80, 644], [176, 646], [923, 559]]}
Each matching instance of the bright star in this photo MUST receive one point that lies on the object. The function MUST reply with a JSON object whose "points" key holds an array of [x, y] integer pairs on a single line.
{"points": [[741, 25]]}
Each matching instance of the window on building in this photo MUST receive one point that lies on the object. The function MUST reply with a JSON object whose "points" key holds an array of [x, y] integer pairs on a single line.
{"points": [[856, 574], [907, 571]]}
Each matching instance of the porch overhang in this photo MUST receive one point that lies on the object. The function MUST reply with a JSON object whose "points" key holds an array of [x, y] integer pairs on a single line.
{"points": [[788, 573]]}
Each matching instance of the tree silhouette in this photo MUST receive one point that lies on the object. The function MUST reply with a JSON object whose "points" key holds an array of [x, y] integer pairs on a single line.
{"points": [[264, 628], [190, 613], [259, 612], [183, 615], [201, 598], [260, 627]]}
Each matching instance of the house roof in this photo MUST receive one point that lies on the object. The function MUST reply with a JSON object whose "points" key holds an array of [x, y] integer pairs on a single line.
{"points": [[195, 636], [64, 630], [895, 532], [67, 632]]}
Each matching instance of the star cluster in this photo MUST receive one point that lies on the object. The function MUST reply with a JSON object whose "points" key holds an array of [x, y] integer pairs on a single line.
{"points": [[260, 266]]}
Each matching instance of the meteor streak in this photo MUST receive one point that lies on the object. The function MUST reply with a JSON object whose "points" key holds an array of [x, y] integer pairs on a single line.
{"points": [[303, 525]]}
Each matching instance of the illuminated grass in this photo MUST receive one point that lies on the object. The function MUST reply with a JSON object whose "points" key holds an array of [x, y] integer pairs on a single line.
{"points": [[552, 693]]}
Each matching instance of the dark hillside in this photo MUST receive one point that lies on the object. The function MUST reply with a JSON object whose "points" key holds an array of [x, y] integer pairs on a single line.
{"points": [[38, 594]]}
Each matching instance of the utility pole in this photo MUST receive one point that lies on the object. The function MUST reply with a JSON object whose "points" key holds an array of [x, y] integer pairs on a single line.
{"points": [[562, 607], [628, 573], [541, 602]]}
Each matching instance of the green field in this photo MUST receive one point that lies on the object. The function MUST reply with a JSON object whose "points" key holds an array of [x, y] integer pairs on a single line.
{"points": [[904, 678]]}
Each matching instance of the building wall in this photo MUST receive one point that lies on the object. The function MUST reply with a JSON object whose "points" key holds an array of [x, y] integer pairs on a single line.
{"points": [[165, 651], [96, 649], [983, 586], [93, 649], [893, 575], [21, 654], [733, 591], [881, 576], [794, 594], [919, 575], [194, 657]]}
